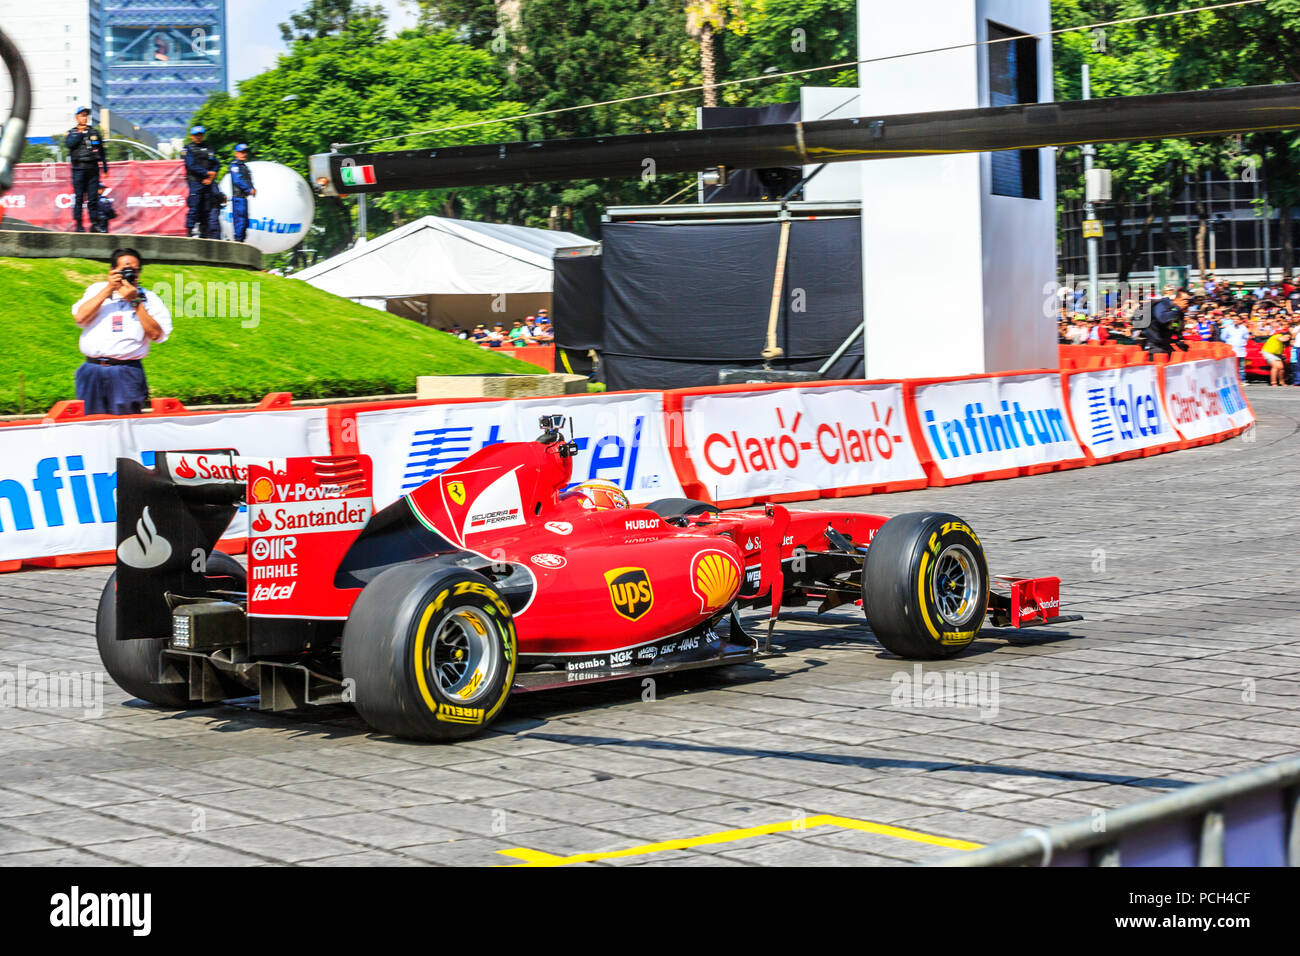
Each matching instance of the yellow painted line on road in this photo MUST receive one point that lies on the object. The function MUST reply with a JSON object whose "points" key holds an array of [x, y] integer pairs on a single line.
{"points": [[529, 857]]}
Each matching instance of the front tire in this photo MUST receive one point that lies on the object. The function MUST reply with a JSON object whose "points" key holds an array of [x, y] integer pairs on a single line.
{"points": [[430, 652], [133, 663], [925, 585]]}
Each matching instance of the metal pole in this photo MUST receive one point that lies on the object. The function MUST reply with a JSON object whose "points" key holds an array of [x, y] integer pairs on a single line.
{"points": [[1089, 211], [361, 219], [1268, 253]]}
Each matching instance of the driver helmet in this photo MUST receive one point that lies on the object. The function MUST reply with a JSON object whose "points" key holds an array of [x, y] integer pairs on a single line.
{"points": [[600, 495]]}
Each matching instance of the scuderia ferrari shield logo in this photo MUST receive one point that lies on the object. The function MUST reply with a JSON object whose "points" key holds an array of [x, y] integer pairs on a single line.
{"points": [[630, 592], [456, 491]]}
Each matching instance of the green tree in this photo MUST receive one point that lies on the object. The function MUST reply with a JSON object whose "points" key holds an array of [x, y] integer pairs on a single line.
{"points": [[322, 18], [1233, 47], [354, 86]]}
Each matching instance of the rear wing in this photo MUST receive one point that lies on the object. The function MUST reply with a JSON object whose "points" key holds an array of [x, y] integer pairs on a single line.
{"points": [[170, 518]]}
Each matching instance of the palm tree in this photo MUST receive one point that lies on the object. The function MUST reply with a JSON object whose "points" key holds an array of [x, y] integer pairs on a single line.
{"points": [[703, 19]]}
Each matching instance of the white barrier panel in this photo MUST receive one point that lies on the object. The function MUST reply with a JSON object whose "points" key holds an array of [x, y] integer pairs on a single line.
{"points": [[620, 438], [1117, 410], [1204, 397], [752, 444], [986, 425], [58, 482], [1234, 400]]}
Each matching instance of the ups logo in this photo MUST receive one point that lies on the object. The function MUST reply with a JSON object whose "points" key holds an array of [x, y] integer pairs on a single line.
{"points": [[630, 592]]}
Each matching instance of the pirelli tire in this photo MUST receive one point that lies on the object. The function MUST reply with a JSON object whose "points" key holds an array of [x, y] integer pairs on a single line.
{"points": [[681, 507], [925, 585], [133, 664], [429, 652]]}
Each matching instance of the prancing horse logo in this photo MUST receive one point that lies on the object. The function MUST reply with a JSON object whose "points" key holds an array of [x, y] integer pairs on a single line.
{"points": [[456, 490]]}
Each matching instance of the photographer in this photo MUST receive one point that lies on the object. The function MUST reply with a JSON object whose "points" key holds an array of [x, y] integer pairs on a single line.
{"points": [[1166, 328], [119, 320]]}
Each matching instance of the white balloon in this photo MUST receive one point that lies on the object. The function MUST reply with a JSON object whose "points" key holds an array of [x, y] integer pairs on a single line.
{"points": [[281, 212]]}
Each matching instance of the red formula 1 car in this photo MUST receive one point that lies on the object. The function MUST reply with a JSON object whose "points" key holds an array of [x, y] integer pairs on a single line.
{"points": [[493, 579]]}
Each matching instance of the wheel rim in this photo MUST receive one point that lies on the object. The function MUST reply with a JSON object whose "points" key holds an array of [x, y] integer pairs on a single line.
{"points": [[466, 654], [956, 584]]}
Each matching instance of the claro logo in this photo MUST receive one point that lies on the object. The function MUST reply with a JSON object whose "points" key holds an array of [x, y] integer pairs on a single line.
{"points": [[787, 445]]}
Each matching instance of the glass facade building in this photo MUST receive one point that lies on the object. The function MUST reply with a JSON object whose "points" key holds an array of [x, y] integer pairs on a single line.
{"points": [[162, 60]]}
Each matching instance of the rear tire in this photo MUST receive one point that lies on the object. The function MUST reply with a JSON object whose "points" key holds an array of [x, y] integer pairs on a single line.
{"points": [[133, 664], [681, 507], [925, 585], [430, 652]]}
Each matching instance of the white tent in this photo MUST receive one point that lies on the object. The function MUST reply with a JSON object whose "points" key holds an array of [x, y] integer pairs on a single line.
{"points": [[441, 271]]}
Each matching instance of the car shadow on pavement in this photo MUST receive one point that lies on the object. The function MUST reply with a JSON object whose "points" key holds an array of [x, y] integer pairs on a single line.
{"points": [[869, 762]]}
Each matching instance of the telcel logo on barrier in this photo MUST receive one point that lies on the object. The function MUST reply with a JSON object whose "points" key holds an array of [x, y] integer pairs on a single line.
{"points": [[434, 450], [1115, 413]]}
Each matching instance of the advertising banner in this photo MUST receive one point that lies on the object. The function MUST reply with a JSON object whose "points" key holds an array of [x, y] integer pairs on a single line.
{"points": [[1204, 398], [620, 438], [783, 441], [1119, 410], [149, 197], [58, 482], [995, 425]]}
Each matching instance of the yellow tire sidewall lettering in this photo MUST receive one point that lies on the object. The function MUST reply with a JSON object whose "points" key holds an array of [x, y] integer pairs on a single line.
{"points": [[450, 712]]}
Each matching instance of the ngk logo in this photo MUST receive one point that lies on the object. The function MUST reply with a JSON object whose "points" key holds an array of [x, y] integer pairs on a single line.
{"points": [[795, 439]]}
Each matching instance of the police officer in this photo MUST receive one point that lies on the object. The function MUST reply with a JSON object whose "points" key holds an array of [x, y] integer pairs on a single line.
{"points": [[241, 187], [200, 173], [86, 150]]}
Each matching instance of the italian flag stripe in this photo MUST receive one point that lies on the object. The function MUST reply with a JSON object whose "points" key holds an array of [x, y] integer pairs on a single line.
{"points": [[357, 175]]}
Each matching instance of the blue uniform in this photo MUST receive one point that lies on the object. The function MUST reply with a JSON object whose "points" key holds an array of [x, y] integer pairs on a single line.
{"points": [[241, 183], [203, 206]]}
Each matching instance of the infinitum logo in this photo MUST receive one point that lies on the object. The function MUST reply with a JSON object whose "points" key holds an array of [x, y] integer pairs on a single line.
{"points": [[56, 481], [979, 431], [94, 910]]}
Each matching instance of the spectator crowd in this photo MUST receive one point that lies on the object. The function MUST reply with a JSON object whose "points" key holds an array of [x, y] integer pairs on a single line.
{"points": [[530, 330], [1260, 321]]}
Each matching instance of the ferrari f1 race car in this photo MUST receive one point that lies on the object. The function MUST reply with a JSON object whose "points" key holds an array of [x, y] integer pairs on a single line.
{"points": [[494, 578]]}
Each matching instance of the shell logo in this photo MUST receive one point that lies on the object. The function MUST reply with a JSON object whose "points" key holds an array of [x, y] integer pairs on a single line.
{"points": [[263, 490], [715, 577]]}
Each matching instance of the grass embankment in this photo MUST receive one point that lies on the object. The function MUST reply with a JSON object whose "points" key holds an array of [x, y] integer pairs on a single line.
{"points": [[304, 341]]}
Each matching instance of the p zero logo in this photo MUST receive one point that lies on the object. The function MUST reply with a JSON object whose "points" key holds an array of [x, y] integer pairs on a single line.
{"points": [[630, 592]]}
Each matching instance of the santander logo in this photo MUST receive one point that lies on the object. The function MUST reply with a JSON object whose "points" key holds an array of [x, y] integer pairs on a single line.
{"points": [[183, 470], [147, 548]]}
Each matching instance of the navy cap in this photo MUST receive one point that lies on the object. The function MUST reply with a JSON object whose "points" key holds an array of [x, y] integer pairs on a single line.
{"points": [[82, 109], [197, 129], [241, 147]]}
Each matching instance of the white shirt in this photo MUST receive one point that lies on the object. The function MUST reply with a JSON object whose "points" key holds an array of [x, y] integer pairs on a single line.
{"points": [[1237, 336], [115, 332]]}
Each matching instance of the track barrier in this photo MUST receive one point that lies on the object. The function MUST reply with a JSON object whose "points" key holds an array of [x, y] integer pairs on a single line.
{"points": [[734, 444], [1247, 819]]}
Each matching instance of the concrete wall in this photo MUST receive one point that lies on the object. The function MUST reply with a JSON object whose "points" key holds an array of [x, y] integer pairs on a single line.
{"points": [[164, 249]]}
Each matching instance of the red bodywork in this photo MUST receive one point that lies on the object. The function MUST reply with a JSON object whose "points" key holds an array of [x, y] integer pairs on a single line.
{"points": [[602, 580]]}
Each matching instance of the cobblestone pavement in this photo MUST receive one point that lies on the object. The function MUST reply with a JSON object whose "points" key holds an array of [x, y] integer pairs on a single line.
{"points": [[1187, 668]]}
